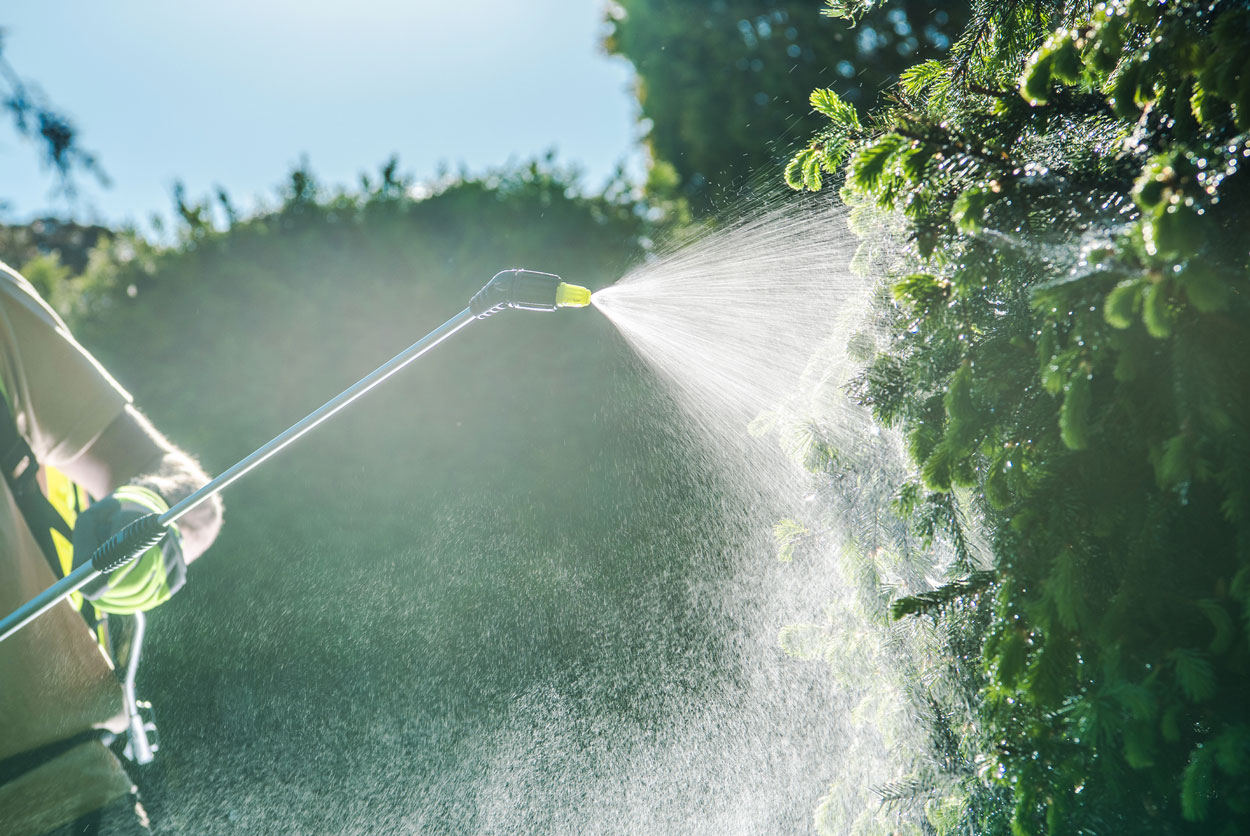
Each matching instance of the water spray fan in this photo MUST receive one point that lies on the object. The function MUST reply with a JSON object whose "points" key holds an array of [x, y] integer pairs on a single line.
{"points": [[525, 290]]}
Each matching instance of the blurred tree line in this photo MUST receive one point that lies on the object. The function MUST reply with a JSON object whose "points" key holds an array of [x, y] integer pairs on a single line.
{"points": [[408, 569]]}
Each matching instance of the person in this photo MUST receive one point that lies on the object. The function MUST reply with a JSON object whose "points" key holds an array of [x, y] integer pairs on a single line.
{"points": [[76, 435]]}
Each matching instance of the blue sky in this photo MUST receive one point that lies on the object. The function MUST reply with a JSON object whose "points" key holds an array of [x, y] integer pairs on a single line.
{"points": [[234, 92]]}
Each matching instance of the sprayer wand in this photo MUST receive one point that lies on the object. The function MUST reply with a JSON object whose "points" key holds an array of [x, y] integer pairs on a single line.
{"points": [[522, 289]]}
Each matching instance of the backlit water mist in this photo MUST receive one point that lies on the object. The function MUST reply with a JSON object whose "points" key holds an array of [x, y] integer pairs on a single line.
{"points": [[534, 587], [757, 328]]}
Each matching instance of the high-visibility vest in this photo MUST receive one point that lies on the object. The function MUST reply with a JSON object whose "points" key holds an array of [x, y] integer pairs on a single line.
{"points": [[50, 503]]}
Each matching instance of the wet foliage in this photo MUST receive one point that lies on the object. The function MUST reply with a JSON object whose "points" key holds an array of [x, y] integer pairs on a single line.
{"points": [[1066, 359]]}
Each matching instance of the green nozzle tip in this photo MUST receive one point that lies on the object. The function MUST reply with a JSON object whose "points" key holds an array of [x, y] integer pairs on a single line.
{"points": [[572, 296]]}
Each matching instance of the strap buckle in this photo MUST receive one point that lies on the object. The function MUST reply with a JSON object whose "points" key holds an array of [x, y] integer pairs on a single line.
{"points": [[143, 741]]}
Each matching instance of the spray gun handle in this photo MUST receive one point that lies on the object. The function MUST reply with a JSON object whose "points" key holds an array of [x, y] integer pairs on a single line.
{"points": [[128, 543]]}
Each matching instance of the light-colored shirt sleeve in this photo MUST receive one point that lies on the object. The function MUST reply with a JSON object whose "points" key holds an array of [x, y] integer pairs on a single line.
{"points": [[61, 397], [54, 680]]}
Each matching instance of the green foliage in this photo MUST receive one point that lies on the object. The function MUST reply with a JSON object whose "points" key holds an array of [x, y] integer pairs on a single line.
{"points": [[828, 150], [51, 278], [803, 170], [724, 84], [945, 814], [829, 104], [788, 534], [70, 242], [932, 602], [809, 443], [1068, 333]]}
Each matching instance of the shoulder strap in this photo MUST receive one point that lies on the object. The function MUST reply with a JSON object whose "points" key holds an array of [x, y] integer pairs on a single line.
{"points": [[20, 468], [14, 767]]}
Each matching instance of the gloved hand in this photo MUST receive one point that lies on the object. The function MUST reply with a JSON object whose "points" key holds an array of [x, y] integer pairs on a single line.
{"points": [[147, 581]]}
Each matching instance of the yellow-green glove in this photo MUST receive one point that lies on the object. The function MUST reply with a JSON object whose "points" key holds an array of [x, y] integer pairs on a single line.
{"points": [[147, 581]]}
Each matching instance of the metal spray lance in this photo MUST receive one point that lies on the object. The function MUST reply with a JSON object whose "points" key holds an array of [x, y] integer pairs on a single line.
{"points": [[525, 290]]}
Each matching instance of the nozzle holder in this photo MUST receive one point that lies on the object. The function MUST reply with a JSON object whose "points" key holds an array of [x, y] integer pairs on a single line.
{"points": [[128, 543], [527, 290]]}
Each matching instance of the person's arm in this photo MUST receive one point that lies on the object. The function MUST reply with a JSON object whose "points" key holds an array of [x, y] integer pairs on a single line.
{"points": [[78, 419], [131, 451]]}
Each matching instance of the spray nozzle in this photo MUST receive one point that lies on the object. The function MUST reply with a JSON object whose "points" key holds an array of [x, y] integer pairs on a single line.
{"points": [[527, 290], [572, 296]]}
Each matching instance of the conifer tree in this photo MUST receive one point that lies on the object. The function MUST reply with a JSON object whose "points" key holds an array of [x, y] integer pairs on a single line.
{"points": [[1070, 348]]}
